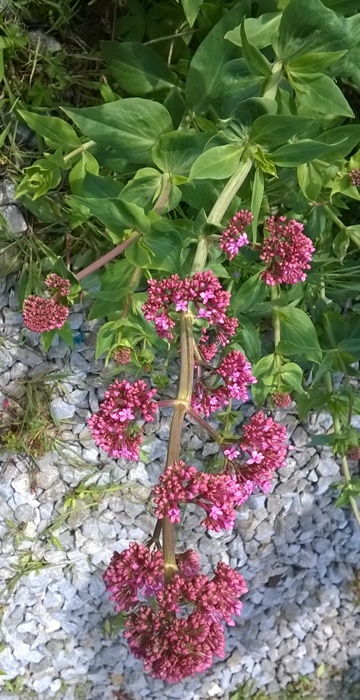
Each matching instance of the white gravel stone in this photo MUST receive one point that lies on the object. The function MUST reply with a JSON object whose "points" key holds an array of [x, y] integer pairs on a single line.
{"points": [[61, 410]]}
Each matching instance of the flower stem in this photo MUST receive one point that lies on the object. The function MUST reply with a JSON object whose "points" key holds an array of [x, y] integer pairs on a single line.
{"points": [[182, 404], [275, 293], [107, 257], [273, 81], [79, 149], [337, 430], [334, 218], [229, 192]]}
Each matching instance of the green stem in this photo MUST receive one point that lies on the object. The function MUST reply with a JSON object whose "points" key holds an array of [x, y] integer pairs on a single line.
{"points": [[337, 430], [199, 261], [79, 149], [275, 293], [334, 218], [182, 404], [229, 192], [273, 81]]}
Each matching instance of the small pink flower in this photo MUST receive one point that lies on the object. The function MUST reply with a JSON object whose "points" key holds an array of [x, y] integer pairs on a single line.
{"points": [[231, 452], [234, 236], [41, 314], [287, 252], [256, 458]]}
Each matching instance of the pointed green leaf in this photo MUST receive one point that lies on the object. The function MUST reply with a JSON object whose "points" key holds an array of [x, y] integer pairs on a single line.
{"points": [[138, 69], [131, 126], [216, 163], [298, 334], [56, 132]]}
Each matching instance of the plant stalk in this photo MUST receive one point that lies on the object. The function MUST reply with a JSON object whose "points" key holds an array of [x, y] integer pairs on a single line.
{"points": [[79, 149], [107, 257], [229, 192], [182, 404], [273, 81], [337, 430]]}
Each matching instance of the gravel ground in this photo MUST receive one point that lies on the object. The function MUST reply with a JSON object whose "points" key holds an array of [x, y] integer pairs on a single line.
{"points": [[297, 552]]}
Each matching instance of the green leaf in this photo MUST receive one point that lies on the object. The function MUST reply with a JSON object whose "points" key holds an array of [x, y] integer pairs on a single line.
{"points": [[341, 244], [251, 292], [291, 377], [176, 151], [65, 333], [191, 10], [217, 163], [318, 93], [273, 129], [77, 174], [116, 282], [115, 214], [342, 138], [96, 186], [293, 154], [256, 62], [310, 181], [46, 338], [56, 132], [314, 62], [248, 337], [138, 69], [131, 126], [316, 29], [298, 334], [203, 82], [162, 246], [259, 31]]}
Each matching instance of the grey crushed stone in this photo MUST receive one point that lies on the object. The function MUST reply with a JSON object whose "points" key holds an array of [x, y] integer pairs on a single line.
{"points": [[297, 552]]}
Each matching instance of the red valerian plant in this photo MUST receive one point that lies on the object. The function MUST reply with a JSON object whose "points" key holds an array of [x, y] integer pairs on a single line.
{"points": [[175, 625]]}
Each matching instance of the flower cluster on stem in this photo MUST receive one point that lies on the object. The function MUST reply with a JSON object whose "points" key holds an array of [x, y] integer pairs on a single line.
{"points": [[287, 252], [113, 427], [234, 236]]}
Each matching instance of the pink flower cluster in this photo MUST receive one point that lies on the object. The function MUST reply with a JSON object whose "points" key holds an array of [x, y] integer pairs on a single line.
{"points": [[354, 176], [217, 494], [113, 426], [354, 452], [281, 400], [264, 441], [58, 284], [122, 356], [137, 570], [235, 371], [41, 314], [172, 647], [204, 291], [287, 252], [234, 236]]}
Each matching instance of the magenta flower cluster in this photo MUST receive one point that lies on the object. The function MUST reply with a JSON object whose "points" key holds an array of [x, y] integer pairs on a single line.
{"points": [[203, 291], [287, 252], [234, 236], [113, 427], [47, 314], [41, 314], [179, 631], [216, 494], [264, 443], [235, 373], [58, 284]]}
